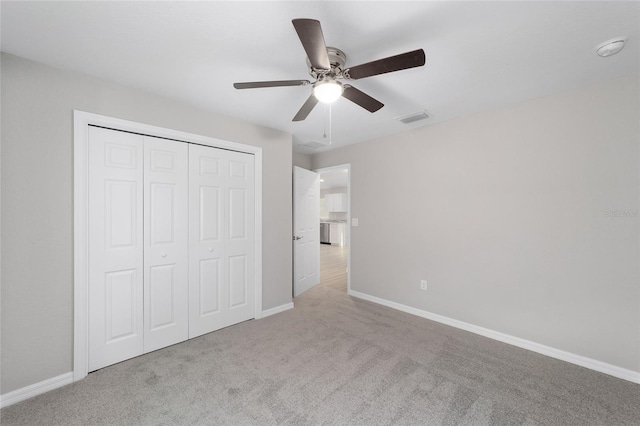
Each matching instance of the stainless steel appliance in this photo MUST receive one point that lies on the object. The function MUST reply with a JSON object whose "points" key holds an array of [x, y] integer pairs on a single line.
{"points": [[325, 233]]}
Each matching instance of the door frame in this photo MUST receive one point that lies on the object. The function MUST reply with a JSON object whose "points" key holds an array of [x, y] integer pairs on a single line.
{"points": [[342, 167], [81, 122]]}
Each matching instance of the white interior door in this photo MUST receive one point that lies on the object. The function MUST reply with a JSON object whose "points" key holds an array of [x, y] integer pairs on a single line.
{"points": [[221, 238], [166, 243], [115, 246], [306, 230]]}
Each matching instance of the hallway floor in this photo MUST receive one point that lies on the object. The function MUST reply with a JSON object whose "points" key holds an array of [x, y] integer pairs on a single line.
{"points": [[333, 267]]}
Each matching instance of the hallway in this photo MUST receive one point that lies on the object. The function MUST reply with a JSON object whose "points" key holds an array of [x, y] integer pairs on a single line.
{"points": [[333, 267]]}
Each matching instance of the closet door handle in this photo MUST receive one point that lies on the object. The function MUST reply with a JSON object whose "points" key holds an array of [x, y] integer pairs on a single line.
{"points": [[163, 254], [211, 249]]}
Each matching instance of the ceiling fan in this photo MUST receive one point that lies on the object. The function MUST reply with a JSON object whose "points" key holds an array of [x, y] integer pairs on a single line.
{"points": [[326, 66]]}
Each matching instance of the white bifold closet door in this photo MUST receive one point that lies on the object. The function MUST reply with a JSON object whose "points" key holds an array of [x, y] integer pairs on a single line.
{"points": [[221, 249], [171, 250], [139, 245], [116, 255], [166, 243]]}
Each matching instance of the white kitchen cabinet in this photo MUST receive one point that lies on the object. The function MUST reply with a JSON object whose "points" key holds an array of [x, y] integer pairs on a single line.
{"points": [[335, 202], [338, 234]]}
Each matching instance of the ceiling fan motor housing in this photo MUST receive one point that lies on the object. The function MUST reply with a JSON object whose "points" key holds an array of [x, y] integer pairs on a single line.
{"points": [[337, 59]]}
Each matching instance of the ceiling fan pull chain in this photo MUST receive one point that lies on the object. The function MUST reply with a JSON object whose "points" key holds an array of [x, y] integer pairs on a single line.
{"points": [[330, 124], [324, 132]]}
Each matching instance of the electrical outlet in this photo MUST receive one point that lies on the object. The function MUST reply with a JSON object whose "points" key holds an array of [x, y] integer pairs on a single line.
{"points": [[423, 285]]}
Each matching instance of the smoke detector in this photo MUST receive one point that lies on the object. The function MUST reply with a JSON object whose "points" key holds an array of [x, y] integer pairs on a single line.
{"points": [[611, 47]]}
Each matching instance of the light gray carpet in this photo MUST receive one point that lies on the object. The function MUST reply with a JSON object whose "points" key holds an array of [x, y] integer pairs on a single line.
{"points": [[337, 360]]}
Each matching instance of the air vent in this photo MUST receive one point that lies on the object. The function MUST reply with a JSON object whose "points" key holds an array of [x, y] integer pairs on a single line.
{"points": [[410, 118], [314, 145]]}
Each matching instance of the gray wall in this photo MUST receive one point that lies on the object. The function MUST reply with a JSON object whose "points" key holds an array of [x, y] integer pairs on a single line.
{"points": [[37, 204], [524, 220], [302, 160]]}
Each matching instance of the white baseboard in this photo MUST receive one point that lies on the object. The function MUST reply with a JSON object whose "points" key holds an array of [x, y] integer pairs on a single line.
{"points": [[67, 378], [602, 367], [277, 309], [35, 389]]}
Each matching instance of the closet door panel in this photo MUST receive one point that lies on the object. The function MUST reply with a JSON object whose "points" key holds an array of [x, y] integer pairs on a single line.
{"points": [[207, 271], [166, 243], [115, 246], [209, 282], [237, 281], [208, 250], [221, 209], [240, 223]]}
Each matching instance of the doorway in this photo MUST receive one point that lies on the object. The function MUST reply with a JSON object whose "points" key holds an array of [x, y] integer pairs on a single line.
{"points": [[335, 218]]}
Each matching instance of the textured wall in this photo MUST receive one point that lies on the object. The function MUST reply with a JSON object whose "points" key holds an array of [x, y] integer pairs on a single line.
{"points": [[524, 220], [37, 204]]}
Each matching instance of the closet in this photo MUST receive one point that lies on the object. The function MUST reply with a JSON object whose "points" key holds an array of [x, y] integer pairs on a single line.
{"points": [[171, 249]]}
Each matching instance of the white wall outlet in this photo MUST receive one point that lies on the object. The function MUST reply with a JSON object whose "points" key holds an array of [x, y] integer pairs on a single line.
{"points": [[423, 284], [354, 221]]}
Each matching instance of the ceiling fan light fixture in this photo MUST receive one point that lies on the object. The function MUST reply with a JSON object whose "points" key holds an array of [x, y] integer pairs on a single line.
{"points": [[327, 91]]}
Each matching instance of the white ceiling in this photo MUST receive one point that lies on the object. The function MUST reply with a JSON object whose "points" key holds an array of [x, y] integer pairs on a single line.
{"points": [[480, 55]]}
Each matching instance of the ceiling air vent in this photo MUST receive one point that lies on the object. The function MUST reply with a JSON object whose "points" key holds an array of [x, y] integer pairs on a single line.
{"points": [[410, 118], [314, 145]]}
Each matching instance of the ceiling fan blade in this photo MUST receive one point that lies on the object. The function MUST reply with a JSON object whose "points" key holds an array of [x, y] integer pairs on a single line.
{"points": [[280, 83], [403, 61], [306, 108], [360, 98], [310, 34]]}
